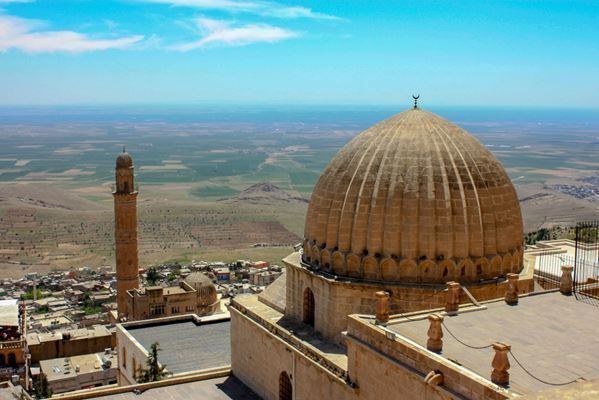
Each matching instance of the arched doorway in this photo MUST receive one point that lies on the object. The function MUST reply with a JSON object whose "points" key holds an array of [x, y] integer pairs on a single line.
{"points": [[308, 309], [12, 359], [285, 388], [2, 360]]}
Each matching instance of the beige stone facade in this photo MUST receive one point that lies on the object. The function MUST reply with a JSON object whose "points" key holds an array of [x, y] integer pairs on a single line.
{"points": [[69, 342], [157, 302], [335, 299]]}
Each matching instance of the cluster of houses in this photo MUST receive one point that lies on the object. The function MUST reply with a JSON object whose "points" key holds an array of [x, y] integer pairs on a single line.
{"points": [[58, 325]]}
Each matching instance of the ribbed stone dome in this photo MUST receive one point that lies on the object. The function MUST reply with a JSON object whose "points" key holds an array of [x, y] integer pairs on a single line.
{"points": [[124, 160], [414, 198], [198, 280]]}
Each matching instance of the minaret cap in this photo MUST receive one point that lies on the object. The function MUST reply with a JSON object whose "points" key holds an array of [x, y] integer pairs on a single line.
{"points": [[124, 160]]}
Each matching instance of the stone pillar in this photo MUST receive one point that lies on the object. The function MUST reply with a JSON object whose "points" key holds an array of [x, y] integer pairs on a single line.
{"points": [[452, 298], [382, 308], [565, 284], [435, 333], [511, 294], [500, 364]]}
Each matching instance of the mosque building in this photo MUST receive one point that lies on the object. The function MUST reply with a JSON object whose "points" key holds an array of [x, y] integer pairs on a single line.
{"points": [[414, 227], [410, 283]]}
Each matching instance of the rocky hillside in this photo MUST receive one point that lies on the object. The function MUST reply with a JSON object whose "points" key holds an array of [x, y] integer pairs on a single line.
{"points": [[265, 192]]}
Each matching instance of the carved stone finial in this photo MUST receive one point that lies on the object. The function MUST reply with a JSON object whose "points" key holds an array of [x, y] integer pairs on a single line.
{"points": [[511, 294], [382, 308], [452, 298], [435, 333], [500, 364], [565, 284]]}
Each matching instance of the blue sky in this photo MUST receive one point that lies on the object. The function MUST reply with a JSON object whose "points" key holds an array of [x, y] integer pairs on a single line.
{"points": [[481, 53]]}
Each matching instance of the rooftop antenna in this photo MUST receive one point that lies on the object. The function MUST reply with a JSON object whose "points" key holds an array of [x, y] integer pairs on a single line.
{"points": [[416, 97]]}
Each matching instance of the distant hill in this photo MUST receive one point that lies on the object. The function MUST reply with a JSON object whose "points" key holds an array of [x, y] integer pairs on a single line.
{"points": [[45, 196], [265, 192]]}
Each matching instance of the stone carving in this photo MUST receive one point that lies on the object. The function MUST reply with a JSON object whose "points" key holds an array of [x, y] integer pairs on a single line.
{"points": [[452, 298], [565, 284], [434, 378], [435, 333], [511, 294], [382, 308], [501, 364]]}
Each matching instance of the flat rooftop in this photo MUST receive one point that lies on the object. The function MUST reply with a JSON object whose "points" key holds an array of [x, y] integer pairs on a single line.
{"points": [[186, 345], [57, 369], [553, 336], [34, 338], [225, 388]]}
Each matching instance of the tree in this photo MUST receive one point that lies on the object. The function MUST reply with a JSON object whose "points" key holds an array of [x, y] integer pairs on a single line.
{"points": [[42, 391], [153, 371], [152, 275]]}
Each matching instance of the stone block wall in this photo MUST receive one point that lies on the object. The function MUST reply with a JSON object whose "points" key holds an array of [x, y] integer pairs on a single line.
{"points": [[384, 368], [258, 357], [335, 300]]}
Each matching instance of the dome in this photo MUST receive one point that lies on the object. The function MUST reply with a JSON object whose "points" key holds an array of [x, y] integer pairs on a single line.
{"points": [[124, 160], [197, 280], [207, 298], [414, 198]]}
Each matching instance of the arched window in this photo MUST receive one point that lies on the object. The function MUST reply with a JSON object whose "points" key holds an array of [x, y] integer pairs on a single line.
{"points": [[308, 310], [12, 359], [2, 360], [285, 388]]}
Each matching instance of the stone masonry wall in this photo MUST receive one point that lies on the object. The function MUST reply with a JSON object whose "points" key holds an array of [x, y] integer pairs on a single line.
{"points": [[258, 358], [334, 300], [381, 366]]}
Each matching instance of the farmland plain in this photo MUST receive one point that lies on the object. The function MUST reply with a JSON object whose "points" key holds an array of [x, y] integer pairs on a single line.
{"points": [[228, 182]]}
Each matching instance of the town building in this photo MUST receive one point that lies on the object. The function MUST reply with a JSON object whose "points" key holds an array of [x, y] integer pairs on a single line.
{"points": [[79, 372], [196, 294], [12, 339], [69, 342], [188, 345]]}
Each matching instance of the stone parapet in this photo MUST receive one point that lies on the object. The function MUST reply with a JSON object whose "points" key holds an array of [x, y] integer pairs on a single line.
{"points": [[413, 364]]}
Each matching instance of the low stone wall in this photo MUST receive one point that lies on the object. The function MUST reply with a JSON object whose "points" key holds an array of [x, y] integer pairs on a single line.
{"points": [[113, 390], [260, 355], [380, 366]]}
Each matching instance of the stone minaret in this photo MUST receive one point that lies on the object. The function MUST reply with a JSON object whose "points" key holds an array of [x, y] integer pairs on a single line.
{"points": [[125, 230]]}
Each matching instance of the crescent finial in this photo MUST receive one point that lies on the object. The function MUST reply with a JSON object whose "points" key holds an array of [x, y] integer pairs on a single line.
{"points": [[416, 97]]}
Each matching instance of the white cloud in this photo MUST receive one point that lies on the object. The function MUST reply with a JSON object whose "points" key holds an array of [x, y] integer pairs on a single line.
{"points": [[217, 32], [264, 8], [26, 35]]}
